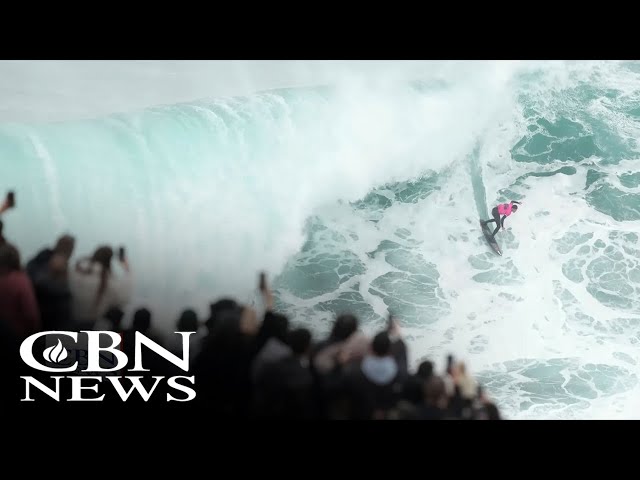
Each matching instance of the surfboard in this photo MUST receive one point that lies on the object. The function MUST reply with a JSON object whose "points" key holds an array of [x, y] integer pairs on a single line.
{"points": [[492, 241]]}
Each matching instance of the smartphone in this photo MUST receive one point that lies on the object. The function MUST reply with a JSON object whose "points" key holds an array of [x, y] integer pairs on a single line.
{"points": [[449, 364], [11, 199], [121, 254], [263, 282]]}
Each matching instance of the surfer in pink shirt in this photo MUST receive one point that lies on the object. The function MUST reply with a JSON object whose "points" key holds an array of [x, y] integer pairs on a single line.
{"points": [[504, 209]]}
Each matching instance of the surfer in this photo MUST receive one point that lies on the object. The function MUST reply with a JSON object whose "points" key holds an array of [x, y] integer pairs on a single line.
{"points": [[504, 209]]}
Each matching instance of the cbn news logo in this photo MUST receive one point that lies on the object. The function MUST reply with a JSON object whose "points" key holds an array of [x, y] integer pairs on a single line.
{"points": [[102, 359]]}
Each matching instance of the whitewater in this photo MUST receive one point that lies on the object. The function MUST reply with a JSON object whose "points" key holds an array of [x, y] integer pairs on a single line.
{"points": [[358, 186]]}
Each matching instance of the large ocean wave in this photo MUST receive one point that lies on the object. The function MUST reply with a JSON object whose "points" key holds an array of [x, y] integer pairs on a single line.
{"points": [[364, 195]]}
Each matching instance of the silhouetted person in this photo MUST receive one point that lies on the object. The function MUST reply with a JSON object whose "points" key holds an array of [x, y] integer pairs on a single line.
{"points": [[375, 383], [223, 366], [462, 389], [141, 323], [18, 306], [95, 288], [413, 391], [64, 247], [284, 388], [218, 308], [492, 411], [483, 408], [188, 322], [327, 359], [48, 272], [271, 341], [344, 326], [435, 399], [425, 370]]}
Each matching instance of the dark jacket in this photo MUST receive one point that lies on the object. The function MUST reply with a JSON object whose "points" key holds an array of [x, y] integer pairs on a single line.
{"points": [[284, 389], [52, 294]]}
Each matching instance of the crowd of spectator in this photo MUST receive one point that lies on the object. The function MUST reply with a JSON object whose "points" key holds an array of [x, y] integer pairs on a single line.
{"points": [[244, 366]]}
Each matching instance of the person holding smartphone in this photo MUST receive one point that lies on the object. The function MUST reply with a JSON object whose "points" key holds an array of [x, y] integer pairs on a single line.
{"points": [[95, 288]]}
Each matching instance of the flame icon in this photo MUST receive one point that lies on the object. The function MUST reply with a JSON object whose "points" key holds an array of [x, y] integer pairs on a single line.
{"points": [[56, 353]]}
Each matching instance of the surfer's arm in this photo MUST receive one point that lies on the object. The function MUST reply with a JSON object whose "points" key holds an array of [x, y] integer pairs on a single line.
{"points": [[502, 221]]}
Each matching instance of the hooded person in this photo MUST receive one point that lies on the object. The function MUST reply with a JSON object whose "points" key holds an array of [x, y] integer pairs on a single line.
{"points": [[375, 382]]}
